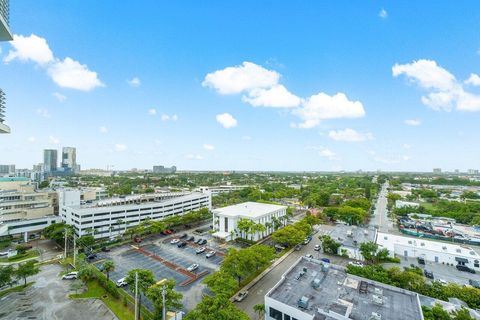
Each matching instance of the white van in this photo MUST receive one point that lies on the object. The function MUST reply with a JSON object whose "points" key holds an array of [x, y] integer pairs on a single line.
{"points": [[121, 283]]}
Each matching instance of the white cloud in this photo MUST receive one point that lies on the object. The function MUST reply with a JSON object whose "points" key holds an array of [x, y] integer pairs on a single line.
{"points": [[120, 147], [152, 112], [208, 147], [246, 138], [327, 153], [66, 73], [60, 97], [53, 140], [31, 139], [43, 113], [277, 97], [74, 75], [406, 146], [31, 48], [103, 129], [350, 135], [322, 107], [174, 117], [444, 91], [244, 77], [194, 156], [413, 122], [406, 158], [383, 13], [134, 82], [473, 80], [226, 120], [165, 117]]}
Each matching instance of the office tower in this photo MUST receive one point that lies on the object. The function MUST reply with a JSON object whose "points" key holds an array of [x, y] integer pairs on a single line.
{"points": [[69, 159], [7, 169], [50, 160], [5, 35]]}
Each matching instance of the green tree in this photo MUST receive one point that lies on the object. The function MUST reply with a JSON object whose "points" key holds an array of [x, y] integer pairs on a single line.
{"points": [[86, 241], [221, 283], [218, 307], [259, 309], [108, 266], [462, 314], [44, 184], [146, 279], [329, 245], [86, 272], [76, 285], [21, 249], [172, 298], [25, 270], [369, 251], [6, 274], [289, 235], [244, 226]]}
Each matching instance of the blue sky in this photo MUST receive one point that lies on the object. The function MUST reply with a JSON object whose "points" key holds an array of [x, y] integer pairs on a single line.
{"points": [[245, 85]]}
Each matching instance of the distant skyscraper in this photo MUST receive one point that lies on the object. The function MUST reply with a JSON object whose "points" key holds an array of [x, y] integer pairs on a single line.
{"points": [[69, 159], [437, 170], [7, 169], [5, 35], [50, 160], [162, 169]]}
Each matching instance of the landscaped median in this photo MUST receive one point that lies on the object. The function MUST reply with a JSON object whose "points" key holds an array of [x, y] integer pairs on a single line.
{"points": [[19, 288], [31, 254]]}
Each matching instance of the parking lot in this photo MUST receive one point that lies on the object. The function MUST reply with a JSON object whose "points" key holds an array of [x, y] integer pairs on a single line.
{"points": [[166, 261]]}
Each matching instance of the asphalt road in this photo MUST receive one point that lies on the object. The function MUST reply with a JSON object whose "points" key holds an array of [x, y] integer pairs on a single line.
{"points": [[257, 292], [380, 217]]}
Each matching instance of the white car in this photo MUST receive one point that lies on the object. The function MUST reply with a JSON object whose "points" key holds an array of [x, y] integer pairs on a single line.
{"points": [[240, 296], [121, 282], [70, 276], [309, 256], [193, 267], [442, 281], [175, 241], [210, 254], [317, 247], [356, 263], [200, 250]]}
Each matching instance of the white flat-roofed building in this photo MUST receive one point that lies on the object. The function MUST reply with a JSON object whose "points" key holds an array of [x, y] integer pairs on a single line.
{"points": [[225, 219], [110, 217], [314, 290], [433, 251], [215, 190]]}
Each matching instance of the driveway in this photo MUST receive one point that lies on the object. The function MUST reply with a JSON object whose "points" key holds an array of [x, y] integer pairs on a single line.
{"points": [[48, 299]]}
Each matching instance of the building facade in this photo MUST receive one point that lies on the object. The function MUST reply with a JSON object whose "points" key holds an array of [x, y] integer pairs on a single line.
{"points": [[7, 169], [69, 159], [163, 169], [111, 217], [225, 219], [50, 160], [5, 35], [3, 127], [433, 251]]}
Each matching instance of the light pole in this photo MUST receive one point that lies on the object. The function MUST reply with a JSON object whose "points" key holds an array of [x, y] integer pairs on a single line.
{"points": [[164, 309], [136, 295], [65, 248], [74, 250]]}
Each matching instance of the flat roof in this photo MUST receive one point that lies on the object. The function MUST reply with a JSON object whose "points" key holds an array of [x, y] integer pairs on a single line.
{"points": [[347, 235], [11, 179], [248, 209], [339, 292]]}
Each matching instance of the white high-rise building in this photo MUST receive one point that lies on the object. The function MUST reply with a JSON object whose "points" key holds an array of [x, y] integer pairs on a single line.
{"points": [[5, 35], [69, 159]]}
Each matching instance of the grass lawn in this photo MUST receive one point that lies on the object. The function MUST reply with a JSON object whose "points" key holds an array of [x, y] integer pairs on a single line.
{"points": [[116, 305], [15, 289], [19, 257]]}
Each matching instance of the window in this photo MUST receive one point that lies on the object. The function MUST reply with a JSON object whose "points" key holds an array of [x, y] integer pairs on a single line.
{"points": [[459, 250], [286, 317], [226, 224], [275, 314], [476, 264], [385, 238], [422, 244], [409, 242]]}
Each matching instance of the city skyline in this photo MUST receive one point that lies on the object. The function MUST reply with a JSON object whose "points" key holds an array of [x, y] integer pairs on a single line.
{"points": [[386, 87]]}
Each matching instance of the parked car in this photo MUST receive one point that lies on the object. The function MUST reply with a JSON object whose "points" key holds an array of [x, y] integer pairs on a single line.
{"points": [[105, 249], [200, 250], [428, 274], [137, 239], [317, 247], [202, 242], [91, 256], [198, 241], [210, 254], [191, 238], [309, 256], [181, 244], [421, 260], [193, 267], [121, 282], [464, 268], [240, 296], [183, 236], [279, 247], [297, 247], [474, 283], [70, 276], [174, 241], [306, 241], [325, 260], [356, 263], [441, 281], [5, 253]]}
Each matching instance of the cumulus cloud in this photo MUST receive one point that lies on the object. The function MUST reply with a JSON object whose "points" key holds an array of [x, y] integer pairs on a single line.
{"points": [[473, 80], [152, 112], [120, 147], [66, 73], [261, 88], [103, 129], [53, 140], [413, 122], [194, 156], [328, 154], [322, 107], [444, 91], [166, 117], [31, 48], [226, 120], [208, 147], [383, 13], [350, 135], [60, 97], [31, 139], [134, 82], [43, 113], [244, 77]]}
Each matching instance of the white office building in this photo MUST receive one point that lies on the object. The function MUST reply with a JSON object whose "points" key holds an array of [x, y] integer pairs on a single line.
{"points": [[225, 219], [110, 217], [433, 251]]}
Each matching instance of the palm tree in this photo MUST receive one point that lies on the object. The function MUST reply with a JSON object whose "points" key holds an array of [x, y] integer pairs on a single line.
{"points": [[108, 267], [120, 222], [259, 310]]}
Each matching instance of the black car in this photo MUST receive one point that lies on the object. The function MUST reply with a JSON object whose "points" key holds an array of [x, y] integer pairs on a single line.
{"points": [[181, 244], [198, 241], [183, 236], [191, 238], [91, 256], [464, 268], [202, 241], [105, 249], [428, 274]]}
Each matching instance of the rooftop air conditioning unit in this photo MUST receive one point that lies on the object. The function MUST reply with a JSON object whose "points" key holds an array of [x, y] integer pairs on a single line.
{"points": [[377, 299], [375, 316], [379, 291]]}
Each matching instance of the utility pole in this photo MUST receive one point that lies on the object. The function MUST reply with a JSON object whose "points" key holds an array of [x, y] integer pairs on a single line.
{"points": [[164, 308], [74, 250], [136, 295], [65, 254]]}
